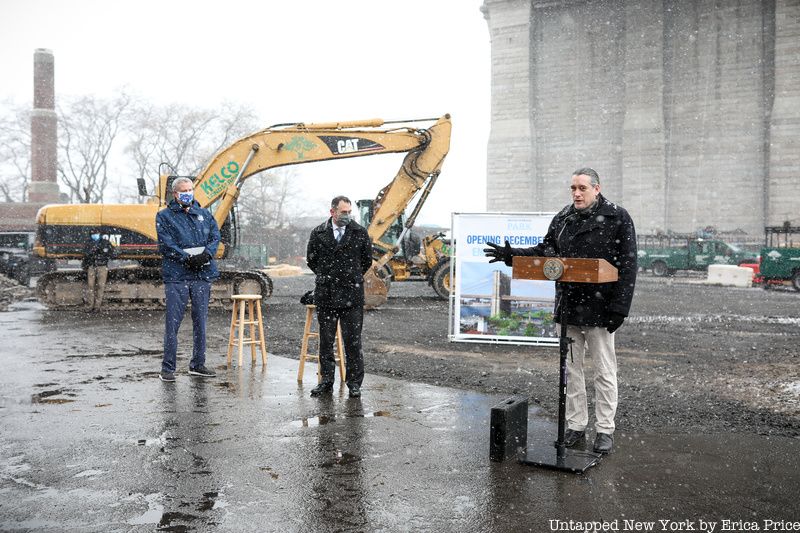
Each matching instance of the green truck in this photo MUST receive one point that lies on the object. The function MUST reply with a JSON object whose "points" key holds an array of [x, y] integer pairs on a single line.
{"points": [[665, 255], [780, 257]]}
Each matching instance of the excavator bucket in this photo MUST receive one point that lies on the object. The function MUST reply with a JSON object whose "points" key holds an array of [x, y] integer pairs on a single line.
{"points": [[375, 290]]}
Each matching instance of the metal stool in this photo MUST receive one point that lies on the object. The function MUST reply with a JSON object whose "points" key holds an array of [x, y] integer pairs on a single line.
{"points": [[238, 322], [338, 354]]}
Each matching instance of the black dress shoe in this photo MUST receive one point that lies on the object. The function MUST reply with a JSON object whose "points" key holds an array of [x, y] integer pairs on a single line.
{"points": [[322, 388], [571, 437], [603, 443], [355, 391]]}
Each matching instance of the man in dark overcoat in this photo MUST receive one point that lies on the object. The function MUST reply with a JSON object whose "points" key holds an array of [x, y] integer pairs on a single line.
{"points": [[590, 227], [339, 252]]}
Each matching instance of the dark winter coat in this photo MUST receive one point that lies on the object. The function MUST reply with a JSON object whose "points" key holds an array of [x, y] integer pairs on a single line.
{"points": [[97, 253], [605, 232], [178, 230], [340, 267]]}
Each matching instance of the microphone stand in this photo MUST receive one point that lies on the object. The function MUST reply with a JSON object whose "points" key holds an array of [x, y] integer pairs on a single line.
{"points": [[567, 460]]}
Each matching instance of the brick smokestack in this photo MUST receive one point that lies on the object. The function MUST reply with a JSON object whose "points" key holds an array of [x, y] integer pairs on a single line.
{"points": [[44, 185]]}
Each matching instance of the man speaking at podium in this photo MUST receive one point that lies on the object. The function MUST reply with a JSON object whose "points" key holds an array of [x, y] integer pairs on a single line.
{"points": [[590, 227]]}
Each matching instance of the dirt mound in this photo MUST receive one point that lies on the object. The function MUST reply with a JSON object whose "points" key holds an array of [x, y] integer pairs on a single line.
{"points": [[11, 291]]}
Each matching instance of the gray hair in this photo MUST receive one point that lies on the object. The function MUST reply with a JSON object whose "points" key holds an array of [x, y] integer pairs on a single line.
{"points": [[335, 201], [594, 179], [178, 181]]}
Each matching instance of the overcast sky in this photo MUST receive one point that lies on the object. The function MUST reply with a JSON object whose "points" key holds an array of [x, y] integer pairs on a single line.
{"points": [[307, 61]]}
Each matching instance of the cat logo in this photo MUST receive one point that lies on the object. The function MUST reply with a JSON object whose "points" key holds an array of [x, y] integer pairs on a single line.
{"points": [[345, 146], [339, 145]]}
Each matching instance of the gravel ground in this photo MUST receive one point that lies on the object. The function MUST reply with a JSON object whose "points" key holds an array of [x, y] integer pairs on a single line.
{"points": [[692, 357]]}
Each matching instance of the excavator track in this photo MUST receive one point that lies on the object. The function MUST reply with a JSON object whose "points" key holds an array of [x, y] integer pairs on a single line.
{"points": [[143, 288]]}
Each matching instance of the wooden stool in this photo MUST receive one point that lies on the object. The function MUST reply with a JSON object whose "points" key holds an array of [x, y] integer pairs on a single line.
{"points": [[256, 338], [338, 354]]}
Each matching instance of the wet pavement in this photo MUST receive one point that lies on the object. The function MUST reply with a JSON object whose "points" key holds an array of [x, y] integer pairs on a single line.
{"points": [[93, 441]]}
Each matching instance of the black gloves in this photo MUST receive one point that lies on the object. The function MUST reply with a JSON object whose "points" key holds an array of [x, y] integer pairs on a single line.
{"points": [[196, 262], [497, 253], [307, 298], [614, 321]]}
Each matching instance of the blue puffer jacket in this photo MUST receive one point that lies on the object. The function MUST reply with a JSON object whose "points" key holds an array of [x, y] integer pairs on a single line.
{"points": [[178, 230]]}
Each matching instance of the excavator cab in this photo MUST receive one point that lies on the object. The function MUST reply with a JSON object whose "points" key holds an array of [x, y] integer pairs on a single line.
{"points": [[393, 233]]}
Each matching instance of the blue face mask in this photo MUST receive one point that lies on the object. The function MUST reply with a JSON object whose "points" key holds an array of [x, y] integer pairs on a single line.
{"points": [[95, 236], [186, 197]]}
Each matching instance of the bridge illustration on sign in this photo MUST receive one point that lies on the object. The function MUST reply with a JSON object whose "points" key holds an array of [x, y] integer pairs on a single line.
{"points": [[488, 307]]}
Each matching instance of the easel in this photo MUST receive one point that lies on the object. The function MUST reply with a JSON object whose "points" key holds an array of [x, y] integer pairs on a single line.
{"points": [[567, 270]]}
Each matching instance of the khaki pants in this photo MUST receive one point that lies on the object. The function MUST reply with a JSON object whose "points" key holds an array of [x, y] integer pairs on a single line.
{"points": [[95, 286], [598, 343]]}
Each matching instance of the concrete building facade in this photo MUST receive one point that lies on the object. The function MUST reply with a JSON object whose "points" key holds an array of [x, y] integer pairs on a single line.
{"points": [[688, 109]]}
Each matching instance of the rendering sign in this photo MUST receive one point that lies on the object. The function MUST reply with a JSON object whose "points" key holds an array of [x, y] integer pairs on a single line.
{"points": [[487, 305]]}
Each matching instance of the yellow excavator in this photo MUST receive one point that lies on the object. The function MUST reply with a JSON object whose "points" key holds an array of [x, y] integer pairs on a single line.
{"points": [[427, 259], [62, 230]]}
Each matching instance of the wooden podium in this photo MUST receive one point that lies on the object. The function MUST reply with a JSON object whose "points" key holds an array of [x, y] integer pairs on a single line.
{"points": [[566, 270]]}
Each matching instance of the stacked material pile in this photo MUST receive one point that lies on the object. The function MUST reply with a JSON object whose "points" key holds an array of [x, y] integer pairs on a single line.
{"points": [[283, 271]]}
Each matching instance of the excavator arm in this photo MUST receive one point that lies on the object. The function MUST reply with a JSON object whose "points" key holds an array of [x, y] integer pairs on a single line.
{"points": [[296, 144]]}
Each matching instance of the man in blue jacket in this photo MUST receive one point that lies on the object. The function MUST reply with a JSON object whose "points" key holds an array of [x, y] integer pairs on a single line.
{"points": [[188, 238], [592, 227]]}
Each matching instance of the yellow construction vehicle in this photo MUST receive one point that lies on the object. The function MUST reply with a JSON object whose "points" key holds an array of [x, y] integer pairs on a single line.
{"points": [[413, 259], [62, 230]]}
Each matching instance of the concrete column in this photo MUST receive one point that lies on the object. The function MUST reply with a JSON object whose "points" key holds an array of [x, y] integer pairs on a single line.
{"points": [[714, 115], [784, 126], [510, 160], [44, 149], [643, 164]]}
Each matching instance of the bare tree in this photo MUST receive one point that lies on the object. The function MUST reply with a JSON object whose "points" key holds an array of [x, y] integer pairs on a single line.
{"points": [[268, 209], [267, 200], [15, 152], [182, 137], [88, 129]]}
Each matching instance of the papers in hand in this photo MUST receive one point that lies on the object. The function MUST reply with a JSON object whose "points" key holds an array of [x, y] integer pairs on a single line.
{"points": [[197, 250]]}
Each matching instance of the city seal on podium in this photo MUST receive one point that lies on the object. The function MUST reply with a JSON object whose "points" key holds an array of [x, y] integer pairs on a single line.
{"points": [[553, 268]]}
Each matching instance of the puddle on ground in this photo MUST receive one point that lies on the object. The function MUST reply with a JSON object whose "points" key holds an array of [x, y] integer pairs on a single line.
{"points": [[90, 473], [268, 469], [208, 501], [435, 407], [99, 355], [156, 514], [165, 524], [46, 397], [161, 440], [323, 419], [313, 421], [92, 380], [342, 458]]}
